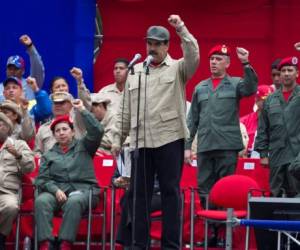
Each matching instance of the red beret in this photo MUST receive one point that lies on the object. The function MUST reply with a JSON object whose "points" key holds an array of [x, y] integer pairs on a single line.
{"points": [[220, 50], [288, 61], [263, 91], [59, 119]]}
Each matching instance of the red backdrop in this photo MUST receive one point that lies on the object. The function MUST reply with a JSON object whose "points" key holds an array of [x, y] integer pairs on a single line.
{"points": [[267, 28]]}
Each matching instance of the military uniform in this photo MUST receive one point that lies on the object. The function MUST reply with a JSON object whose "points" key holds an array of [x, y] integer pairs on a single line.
{"points": [[114, 95], [24, 125], [11, 171], [69, 172], [162, 129], [44, 139], [107, 122], [214, 116], [278, 138]]}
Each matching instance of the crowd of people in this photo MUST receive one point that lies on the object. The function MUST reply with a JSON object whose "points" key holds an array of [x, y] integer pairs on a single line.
{"points": [[142, 120]]}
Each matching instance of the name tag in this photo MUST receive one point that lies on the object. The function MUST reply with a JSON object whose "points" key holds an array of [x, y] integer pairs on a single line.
{"points": [[107, 163], [249, 165], [194, 163]]}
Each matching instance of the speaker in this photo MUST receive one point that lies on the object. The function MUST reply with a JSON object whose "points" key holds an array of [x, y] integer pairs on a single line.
{"points": [[266, 208]]}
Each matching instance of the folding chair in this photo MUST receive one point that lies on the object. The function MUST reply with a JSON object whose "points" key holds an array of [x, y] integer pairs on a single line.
{"points": [[26, 196], [230, 193], [104, 166]]}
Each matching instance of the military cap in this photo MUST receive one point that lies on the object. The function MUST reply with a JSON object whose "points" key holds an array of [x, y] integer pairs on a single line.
{"points": [[7, 121], [7, 104], [288, 61], [61, 97], [219, 50], [159, 33], [100, 98]]}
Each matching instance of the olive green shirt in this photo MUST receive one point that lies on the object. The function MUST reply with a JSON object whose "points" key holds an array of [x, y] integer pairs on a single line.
{"points": [[214, 114], [73, 170], [278, 134]]}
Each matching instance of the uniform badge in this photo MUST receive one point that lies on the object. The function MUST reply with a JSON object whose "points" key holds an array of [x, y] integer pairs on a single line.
{"points": [[224, 49], [294, 60]]}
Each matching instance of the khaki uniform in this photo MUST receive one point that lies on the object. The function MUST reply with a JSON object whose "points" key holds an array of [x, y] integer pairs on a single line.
{"points": [[11, 171], [84, 95], [107, 122], [162, 114], [24, 131], [115, 96]]}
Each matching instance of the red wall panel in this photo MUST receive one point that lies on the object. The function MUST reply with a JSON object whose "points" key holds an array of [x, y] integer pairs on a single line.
{"points": [[267, 28]]}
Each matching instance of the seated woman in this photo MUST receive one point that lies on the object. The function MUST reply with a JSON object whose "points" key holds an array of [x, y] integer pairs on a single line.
{"points": [[65, 177]]}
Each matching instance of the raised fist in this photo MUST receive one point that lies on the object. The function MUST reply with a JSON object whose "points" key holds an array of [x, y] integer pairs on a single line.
{"points": [[31, 81], [78, 104], [242, 54], [297, 46], [25, 40], [175, 21], [76, 73]]}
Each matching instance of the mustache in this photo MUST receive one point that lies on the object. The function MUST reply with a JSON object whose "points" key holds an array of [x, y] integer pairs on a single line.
{"points": [[153, 53]]}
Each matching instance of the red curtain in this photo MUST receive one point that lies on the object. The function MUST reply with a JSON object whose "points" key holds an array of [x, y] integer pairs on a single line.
{"points": [[267, 28]]}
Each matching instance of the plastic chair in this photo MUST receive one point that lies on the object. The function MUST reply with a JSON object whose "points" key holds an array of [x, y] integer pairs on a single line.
{"points": [[231, 194], [104, 166], [26, 196]]}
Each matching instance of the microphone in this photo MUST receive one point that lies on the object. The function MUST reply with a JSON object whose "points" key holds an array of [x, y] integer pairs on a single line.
{"points": [[134, 60], [148, 60]]}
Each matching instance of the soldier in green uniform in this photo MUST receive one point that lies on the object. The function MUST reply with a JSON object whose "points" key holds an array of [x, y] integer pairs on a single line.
{"points": [[65, 177], [214, 114], [277, 139]]}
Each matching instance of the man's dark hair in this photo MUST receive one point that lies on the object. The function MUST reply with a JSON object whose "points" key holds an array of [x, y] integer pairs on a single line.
{"points": [[274, 65], [121, 60], [103, 103]]}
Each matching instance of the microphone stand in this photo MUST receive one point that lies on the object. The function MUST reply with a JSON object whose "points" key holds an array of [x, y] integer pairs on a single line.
{"points": [[147, 70], [131, 70], [135, 164], [136, 156]]}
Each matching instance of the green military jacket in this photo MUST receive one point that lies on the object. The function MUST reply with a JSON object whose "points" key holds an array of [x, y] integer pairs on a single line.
{"points": [[214, 114], [72, 170], [278, 135]]}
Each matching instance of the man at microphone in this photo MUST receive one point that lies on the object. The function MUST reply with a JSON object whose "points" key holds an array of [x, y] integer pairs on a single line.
{"points": [[161, 131]]}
